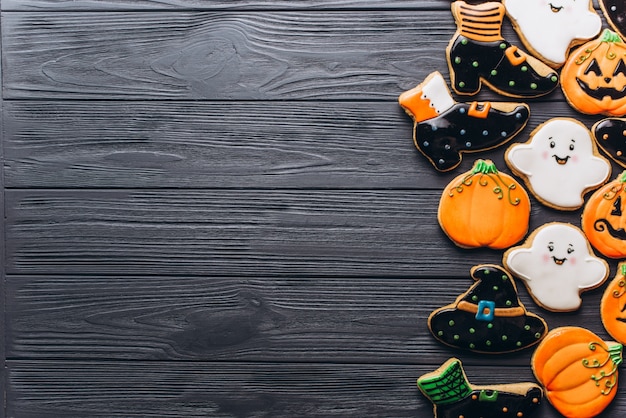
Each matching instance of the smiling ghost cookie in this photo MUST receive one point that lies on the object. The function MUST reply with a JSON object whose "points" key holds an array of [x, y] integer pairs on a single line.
{"points": [[489, 317], [550, 29], [557, 264], [560, 163]]}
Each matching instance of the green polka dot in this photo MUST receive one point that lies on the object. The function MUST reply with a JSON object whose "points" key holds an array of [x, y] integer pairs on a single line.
{"points": [[464, 41], [519, 343], [472, 345], [508, 303], [527, 327], [533, 86], [511, 83], [456, 337], [494, 72], [474, 298], [475, 64], [457, 60], [537, 335], [451, 323], [440, 333], [502, 45], [505, 277], [524, 68], [487, 271], [461, 84], [472, 330], [488, 343], [490, 325], [495, 288], [554, 78], [504, 338]]}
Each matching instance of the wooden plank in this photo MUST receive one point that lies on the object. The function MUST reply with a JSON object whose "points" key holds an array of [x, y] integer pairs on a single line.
{"points": [[347, 320], [113, 144], [157, 389], [236, 232]]}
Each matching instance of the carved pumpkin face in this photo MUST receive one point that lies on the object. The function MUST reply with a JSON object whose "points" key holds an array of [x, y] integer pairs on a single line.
{"points": [[604, 218], [613, 305], [594, 77]]}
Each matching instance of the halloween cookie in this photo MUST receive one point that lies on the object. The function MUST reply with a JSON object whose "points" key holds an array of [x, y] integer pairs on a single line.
{"points": [[593, 78], [615, 12], [453, 396], [559, 163], [613, 305], [488, 317], [484, 208], [602, 220], [479, 54], [443, 129], [577, 370], [610, 135], [550, 29], [557, 264]]}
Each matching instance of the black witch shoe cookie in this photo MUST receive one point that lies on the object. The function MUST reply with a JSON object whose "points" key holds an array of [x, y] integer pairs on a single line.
{"points": [[610, 135], [444, 129], [615, 12], [478, 53], [489, 317], [453, 396]]}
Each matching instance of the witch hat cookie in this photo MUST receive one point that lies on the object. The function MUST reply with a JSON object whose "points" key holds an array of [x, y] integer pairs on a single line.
{"points": [[489, 317], [444, 129], [453, 396], [478, 53]]}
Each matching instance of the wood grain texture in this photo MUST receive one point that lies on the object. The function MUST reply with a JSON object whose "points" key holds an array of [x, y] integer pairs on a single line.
{"points": [[113, 144], [157, 389]]}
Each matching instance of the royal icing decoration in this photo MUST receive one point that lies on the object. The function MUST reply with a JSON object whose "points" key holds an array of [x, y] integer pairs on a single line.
{"points": [[478, 53], [443, 130], [489, 317], [578, 370], [610, 135], [453, 396], [484, 208], [549, 29], [559, 163], [594, 77], [615, 12], [613, 303], [556, 264]]}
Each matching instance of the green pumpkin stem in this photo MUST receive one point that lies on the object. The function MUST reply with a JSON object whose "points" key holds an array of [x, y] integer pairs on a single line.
{"points": [[486, 167], [615, 352], [610, 36], [622, 177]]}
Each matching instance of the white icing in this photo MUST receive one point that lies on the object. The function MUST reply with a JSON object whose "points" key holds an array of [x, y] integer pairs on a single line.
{"points": [[559, 163], [557, 286], [551, 26], [436, 91]]}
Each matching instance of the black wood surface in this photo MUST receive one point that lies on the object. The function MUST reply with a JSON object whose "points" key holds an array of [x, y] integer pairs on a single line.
{"points": [[215, 208]]}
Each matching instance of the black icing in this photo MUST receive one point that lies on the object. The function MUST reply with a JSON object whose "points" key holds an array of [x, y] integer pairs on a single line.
{"points": [[615, 11], [602, 224], [610, 135], [471, 61], [462, 329], [443, 138], [493, 404], [601, 92]]}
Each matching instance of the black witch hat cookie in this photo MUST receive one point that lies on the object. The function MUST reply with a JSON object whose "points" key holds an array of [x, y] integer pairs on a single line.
{"points": [[453, 396], [489, 317], [478, 53], [444, 129]]}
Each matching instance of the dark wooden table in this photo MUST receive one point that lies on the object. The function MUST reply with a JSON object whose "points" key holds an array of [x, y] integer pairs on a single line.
{"points": [[215, 208]]}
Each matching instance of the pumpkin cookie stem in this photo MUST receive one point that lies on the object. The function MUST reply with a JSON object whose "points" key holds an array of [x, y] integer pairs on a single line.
{"points": [[487, 168], [609, 37], [609, 379]]}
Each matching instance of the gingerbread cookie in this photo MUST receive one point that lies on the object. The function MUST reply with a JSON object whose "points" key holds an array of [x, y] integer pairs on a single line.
{"points": [[613, 304], [443, 130], [550, 29], [578, 371], [479, 54], [615, 12], [610, 135], [602, 220], [484, 208], [453, 396], [560, 163], [593, 79], [557, 264], [489, 317]]}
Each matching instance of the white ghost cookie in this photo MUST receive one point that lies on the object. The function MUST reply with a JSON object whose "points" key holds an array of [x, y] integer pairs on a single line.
{"points": [[549, 28], [557, 264], [559, 163]]}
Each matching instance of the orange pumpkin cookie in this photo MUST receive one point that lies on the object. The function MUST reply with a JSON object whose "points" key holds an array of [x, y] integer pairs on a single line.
{"points": [[612, 306], [594, 77], [602, 220], [577, 370], [484, 208]]}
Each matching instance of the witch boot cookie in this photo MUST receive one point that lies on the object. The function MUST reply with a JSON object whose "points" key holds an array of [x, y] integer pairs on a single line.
{"points": [[444, 129], [453, 396], [478, 53]]}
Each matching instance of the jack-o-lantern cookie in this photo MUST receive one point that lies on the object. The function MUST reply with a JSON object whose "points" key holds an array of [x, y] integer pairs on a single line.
{"points": [[453, 396], [577, 370], [557, 264], [484, 208], [615, 12], [613, 305], [610, 135], [560, 163], [593, 79], [602, 219], [443, 130], [550, 29], [479, 54], [489, 317]]}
